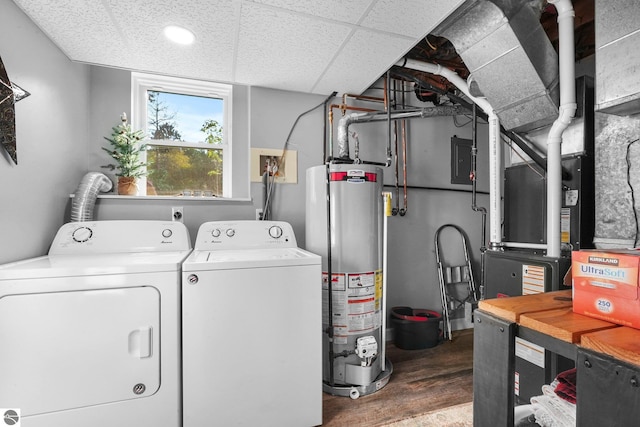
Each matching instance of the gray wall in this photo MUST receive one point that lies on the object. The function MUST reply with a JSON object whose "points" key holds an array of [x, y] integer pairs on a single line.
{"points": [[267, 115], [62, 125], [432, 202], [273, 113], [51, 137]]}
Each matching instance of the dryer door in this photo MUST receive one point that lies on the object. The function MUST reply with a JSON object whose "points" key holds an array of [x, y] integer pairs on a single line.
{"points": [[65, 350]]}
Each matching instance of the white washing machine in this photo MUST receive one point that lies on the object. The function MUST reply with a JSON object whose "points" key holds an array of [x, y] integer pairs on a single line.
{"points": [[251, 328], [90, 333]]}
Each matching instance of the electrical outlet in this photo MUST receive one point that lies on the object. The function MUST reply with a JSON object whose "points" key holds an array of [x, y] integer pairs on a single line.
{"points": [[177, 214], [258, 214]]}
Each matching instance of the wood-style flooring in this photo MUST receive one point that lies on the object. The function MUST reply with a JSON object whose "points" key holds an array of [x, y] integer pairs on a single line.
{"points": [[422, 381]]}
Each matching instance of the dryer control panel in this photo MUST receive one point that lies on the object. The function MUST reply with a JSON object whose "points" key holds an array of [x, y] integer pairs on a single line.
{"points": [[230, 235], [123, 236]]}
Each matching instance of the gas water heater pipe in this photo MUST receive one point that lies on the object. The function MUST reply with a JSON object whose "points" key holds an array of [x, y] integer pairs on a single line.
{"points": [[330, 331], [495, 153], [474, 205], [387, 106], [396, 208], [346, 120], [405, 207], [567, 109]]}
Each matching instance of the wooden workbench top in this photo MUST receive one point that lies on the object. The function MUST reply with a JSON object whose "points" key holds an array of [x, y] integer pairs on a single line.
{"points": [[622, 343], [512, 308], [563, 324], [551, 313]]}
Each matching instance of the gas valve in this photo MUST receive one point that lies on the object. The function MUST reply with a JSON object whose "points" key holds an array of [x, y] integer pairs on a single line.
{"points": [[366, 349]]}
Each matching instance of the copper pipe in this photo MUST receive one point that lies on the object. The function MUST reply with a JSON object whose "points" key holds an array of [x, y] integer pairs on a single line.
{"points": [[385, 99], [344, 107], [362, 97], [330, 134]]}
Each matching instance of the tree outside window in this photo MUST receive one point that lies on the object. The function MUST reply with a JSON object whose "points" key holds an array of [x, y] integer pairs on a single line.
{"points": [[176, 165], [188, 123]]}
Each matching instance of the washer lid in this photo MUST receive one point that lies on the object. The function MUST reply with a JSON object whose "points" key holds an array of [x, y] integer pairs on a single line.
{"points": [[249, 258]]}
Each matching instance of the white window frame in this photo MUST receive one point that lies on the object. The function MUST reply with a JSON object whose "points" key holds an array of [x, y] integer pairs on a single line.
{"points": [[141, 83]]}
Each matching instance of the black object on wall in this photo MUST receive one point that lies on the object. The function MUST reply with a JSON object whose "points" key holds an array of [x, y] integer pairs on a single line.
{"points": [[460, 160]]}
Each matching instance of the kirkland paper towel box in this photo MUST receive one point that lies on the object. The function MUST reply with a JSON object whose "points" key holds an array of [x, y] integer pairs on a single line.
{"points": [[605, 285]]}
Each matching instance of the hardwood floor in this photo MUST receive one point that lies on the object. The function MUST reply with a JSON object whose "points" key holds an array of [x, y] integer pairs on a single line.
{"points": [[422, 381]]}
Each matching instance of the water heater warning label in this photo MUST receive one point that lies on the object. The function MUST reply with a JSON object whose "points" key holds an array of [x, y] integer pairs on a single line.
{"points": [[354, 304], [361, 281]]}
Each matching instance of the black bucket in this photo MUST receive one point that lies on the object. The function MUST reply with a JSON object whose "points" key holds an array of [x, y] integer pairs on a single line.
{"points": [[415, 328]]}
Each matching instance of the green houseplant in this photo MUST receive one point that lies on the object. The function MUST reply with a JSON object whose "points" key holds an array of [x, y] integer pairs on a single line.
{"points": [[126, 148]]}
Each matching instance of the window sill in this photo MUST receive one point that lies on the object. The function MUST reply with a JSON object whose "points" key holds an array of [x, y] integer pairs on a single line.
{"points": [[188, 199]]}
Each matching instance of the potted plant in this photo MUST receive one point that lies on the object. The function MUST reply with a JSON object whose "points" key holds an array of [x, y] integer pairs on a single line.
{"points": [[126, 148]]}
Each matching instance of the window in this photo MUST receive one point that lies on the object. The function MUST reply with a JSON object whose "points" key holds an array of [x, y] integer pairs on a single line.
{"points": [[189, 129]]}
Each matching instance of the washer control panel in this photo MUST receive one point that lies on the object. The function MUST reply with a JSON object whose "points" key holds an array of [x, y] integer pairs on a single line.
{"points": [[120, 237], [229, 235]]}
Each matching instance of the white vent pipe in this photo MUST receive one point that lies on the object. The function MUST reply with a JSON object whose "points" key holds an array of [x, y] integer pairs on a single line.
{"points": [[566, 53], [495, 152]]}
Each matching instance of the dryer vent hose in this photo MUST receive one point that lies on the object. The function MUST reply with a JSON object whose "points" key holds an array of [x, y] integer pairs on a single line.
{"points": [[84, 198]]}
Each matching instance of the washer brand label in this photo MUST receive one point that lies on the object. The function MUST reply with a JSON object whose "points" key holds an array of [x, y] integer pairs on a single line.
{"points": [[603, 260], [10, 417]]}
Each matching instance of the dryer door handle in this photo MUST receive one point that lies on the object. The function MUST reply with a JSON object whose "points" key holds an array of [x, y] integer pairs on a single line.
{"points": [[140, 342]]}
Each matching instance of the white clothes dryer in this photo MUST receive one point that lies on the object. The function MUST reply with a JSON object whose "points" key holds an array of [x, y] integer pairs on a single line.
{"points": [[90, 332], [251, 328]]}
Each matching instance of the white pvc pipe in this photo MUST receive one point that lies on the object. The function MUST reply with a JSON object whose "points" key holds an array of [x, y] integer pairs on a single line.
{"points": [[495, 151], [565, 115]]}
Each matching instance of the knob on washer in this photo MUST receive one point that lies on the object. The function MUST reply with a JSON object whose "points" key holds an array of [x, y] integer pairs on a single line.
{"points": [[275, 231]]}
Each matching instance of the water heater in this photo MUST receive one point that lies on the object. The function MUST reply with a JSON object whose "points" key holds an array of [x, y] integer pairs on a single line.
{"points": [[344, 224]]}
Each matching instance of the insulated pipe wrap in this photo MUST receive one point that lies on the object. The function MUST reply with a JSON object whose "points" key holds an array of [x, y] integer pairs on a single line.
{"points": [[86, 194], [343, 134]]}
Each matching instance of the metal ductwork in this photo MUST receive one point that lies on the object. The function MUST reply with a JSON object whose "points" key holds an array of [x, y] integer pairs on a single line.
{"points": [[85, 196], [510, 58], [617, 57]]}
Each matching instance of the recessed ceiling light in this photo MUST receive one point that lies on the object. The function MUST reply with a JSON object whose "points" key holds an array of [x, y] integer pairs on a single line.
{"points": [[179, 35]]}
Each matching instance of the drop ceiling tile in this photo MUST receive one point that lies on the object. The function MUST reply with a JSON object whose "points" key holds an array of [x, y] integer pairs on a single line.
{"points": [[76, 27], [365, 57], [291, 55], [213, 23], [337, 10], [302, 45], [413, 18]]}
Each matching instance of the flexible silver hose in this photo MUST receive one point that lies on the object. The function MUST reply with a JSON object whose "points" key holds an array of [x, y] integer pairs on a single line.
{"points": [[86, 194]]}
